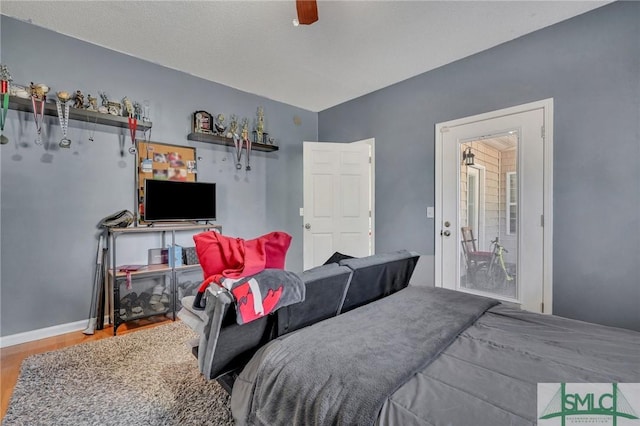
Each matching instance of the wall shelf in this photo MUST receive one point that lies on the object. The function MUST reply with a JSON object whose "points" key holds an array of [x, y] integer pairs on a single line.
{"points": [[20, 104], [221, 140]]}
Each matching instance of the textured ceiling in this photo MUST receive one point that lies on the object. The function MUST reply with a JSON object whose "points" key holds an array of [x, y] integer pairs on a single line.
{"points": [[355, 48]]}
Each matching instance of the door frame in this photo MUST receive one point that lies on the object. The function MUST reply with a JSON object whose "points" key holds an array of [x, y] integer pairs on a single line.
{"points": [[480, 171], [372, 191], [547, 230]]}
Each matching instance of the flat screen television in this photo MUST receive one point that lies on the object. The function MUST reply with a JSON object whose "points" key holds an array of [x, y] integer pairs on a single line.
{"points": [[171, 201]]}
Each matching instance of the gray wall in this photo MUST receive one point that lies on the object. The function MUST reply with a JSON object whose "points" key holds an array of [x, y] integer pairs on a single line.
{"points": [[52, 199], [590, 65]]}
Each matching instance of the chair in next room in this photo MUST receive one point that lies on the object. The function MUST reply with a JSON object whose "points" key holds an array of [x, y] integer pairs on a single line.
{"points": [[472, 255]]}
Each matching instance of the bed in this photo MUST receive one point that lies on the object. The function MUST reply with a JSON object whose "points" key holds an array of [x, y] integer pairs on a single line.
{"points": [[427, 356]]}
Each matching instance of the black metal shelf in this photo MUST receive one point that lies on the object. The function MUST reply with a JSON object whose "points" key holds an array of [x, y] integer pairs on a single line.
{"points": [[167, 272], [221, 140], [21, 104]]}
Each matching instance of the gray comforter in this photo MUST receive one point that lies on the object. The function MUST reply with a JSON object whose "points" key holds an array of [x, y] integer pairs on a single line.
{"points": [[317, 375], [489, 375], [406, 366]]}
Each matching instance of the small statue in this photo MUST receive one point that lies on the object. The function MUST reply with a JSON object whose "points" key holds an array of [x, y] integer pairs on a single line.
{"points": [[104, 107], [114, 108], [39, 91], [5, 80], [5, 76], [93, 103], [245, 129], [78, 101], [259, 132], [128, 106], [260, 125], [109, 107], [137, 110], [105, 99], [233, 126], [219, 124], [63, 96]]}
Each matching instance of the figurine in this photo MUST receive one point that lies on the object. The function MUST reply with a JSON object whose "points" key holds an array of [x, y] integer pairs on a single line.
{"points": [[114, 108], [245, 129], [78, 100], [137, 110], [19, 91], [128, 106], [233, 126], [39, 91], [63, 96], [109, 107], [38, 95], [260, 125], [4, 74], [93, 103], [219, 124], [5, 80], [105, 99]]}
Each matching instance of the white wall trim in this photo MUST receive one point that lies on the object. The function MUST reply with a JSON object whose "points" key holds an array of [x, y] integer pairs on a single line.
{"points": [[43, 333], [547, 295], [372, 187]]}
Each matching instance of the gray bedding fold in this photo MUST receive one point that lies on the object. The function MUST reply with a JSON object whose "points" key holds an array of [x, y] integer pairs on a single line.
{"points": [[317, 375], [489, 375]]}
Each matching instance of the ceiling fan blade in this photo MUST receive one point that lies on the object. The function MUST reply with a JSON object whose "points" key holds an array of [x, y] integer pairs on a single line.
{"points": [[307, 11]]}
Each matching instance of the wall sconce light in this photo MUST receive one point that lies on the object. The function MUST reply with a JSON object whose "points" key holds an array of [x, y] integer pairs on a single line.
{"points": [[468, 157]]}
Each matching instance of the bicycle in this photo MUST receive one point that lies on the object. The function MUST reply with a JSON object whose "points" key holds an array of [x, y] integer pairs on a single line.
{"points": [[495, 272]]}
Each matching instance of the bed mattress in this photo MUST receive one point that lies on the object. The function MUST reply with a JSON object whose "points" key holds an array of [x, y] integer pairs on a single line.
{"points": [[489, 374], [466, 361]]}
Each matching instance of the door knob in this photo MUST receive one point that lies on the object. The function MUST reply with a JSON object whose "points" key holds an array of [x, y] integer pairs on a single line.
{"points": [[307, 226], [446, 233]]}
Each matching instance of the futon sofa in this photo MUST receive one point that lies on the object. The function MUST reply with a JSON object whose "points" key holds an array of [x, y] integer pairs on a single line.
{"points": [[224, 347]]}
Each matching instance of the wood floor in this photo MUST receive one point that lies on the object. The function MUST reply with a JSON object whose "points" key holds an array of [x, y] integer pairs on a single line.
{"points": [[11, 357]]}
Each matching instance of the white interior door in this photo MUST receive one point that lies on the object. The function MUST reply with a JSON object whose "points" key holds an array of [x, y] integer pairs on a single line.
{"points": [[338, 200], [513, 147]]}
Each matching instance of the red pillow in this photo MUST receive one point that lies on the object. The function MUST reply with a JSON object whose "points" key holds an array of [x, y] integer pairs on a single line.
{"points": [[235, 257]]}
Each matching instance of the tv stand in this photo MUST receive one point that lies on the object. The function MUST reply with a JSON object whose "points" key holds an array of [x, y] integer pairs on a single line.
{"points": [[169, 274], [178, 224]]}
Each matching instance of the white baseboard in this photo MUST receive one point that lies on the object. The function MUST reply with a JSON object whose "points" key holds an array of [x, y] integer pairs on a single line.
{"points": [[43, 333]]}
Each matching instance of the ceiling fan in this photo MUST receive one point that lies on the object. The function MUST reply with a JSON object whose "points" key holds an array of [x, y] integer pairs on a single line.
{"points": [[307, 11]]}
